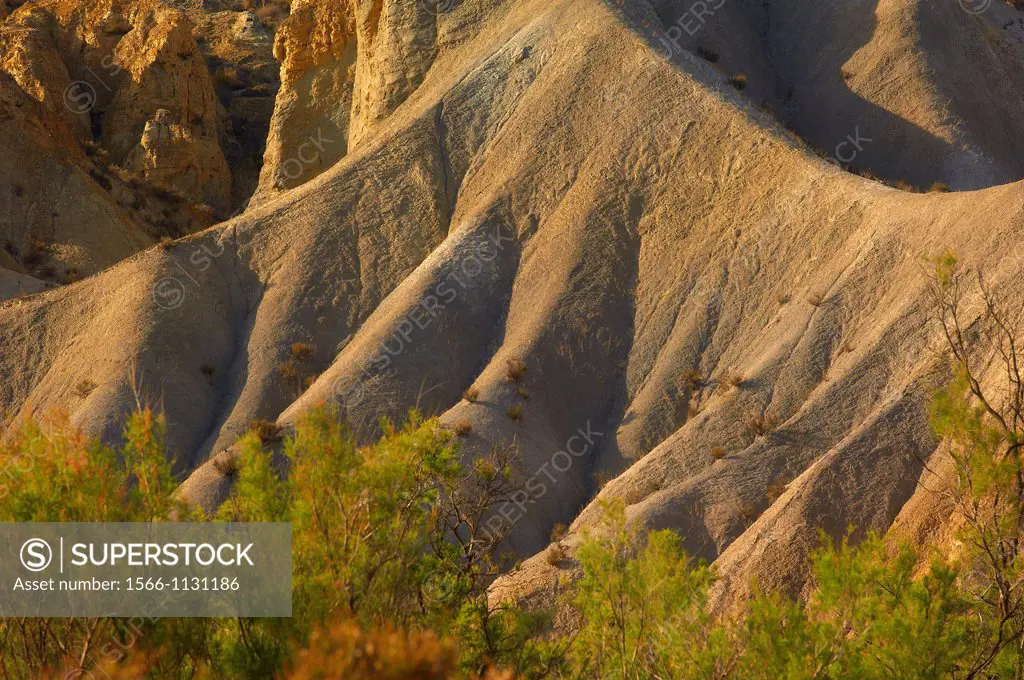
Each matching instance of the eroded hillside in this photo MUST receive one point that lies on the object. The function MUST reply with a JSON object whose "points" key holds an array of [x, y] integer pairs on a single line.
{"points": [[602, 232], [154, 121]]}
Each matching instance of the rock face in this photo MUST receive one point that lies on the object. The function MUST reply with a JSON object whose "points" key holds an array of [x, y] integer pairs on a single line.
{"points": [[171, 154], [56, 220], [140, 119], [239, 53], [833, 71], [309, 130], [396, 43], [727, 329], [30, 55], [164, 71], [345, 67]]}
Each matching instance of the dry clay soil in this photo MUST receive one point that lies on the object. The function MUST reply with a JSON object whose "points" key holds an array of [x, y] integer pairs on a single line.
{"points": [[568, 185]]}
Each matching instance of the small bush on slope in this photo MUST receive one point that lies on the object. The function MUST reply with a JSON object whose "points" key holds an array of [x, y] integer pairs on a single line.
{"points": [[388, 536], [871, 614]]}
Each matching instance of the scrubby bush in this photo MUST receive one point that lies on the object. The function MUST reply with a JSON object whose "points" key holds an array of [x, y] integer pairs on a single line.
{"points": [[388, 534], [515, 370], [53, 474], [391, 565], [293, 371], [739, 81], [642, 602], [227, 466], [270, 12], [734, 380], [346, 650], [302, 351], [84, 387], [707, 54], [776, 489], [761, 425], [554, 554], [384, 552], [693, 379], [265, 430]]}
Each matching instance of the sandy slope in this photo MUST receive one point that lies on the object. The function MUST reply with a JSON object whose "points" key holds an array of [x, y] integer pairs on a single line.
{"points": [[555, 191]]}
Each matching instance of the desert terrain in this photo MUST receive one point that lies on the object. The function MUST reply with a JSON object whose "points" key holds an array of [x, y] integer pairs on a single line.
{"points": [[675, 253]]}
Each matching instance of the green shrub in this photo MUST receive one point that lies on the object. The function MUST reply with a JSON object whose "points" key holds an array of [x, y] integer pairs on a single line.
{"points": [[372, 546], [642, 601], [391, 565], [53, 474]]}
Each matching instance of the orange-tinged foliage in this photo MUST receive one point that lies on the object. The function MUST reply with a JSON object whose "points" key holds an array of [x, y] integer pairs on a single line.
{"points": [[372, 567], [345, 650], [50, 472]]}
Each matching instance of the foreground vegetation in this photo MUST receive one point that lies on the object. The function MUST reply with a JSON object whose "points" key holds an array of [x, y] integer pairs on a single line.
{"points": [[391, 561]]}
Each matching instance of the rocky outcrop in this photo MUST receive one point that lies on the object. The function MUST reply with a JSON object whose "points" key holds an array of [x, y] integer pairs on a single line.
{"points": [[345, 67], [172, 154], [138, 109], [240, 54], [167, 71], [56, 218], [28, 53], [309, 130], [397, 42]]}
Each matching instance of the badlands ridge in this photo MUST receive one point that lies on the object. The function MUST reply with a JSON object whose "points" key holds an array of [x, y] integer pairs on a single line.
{"points": [[675, 252]]}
